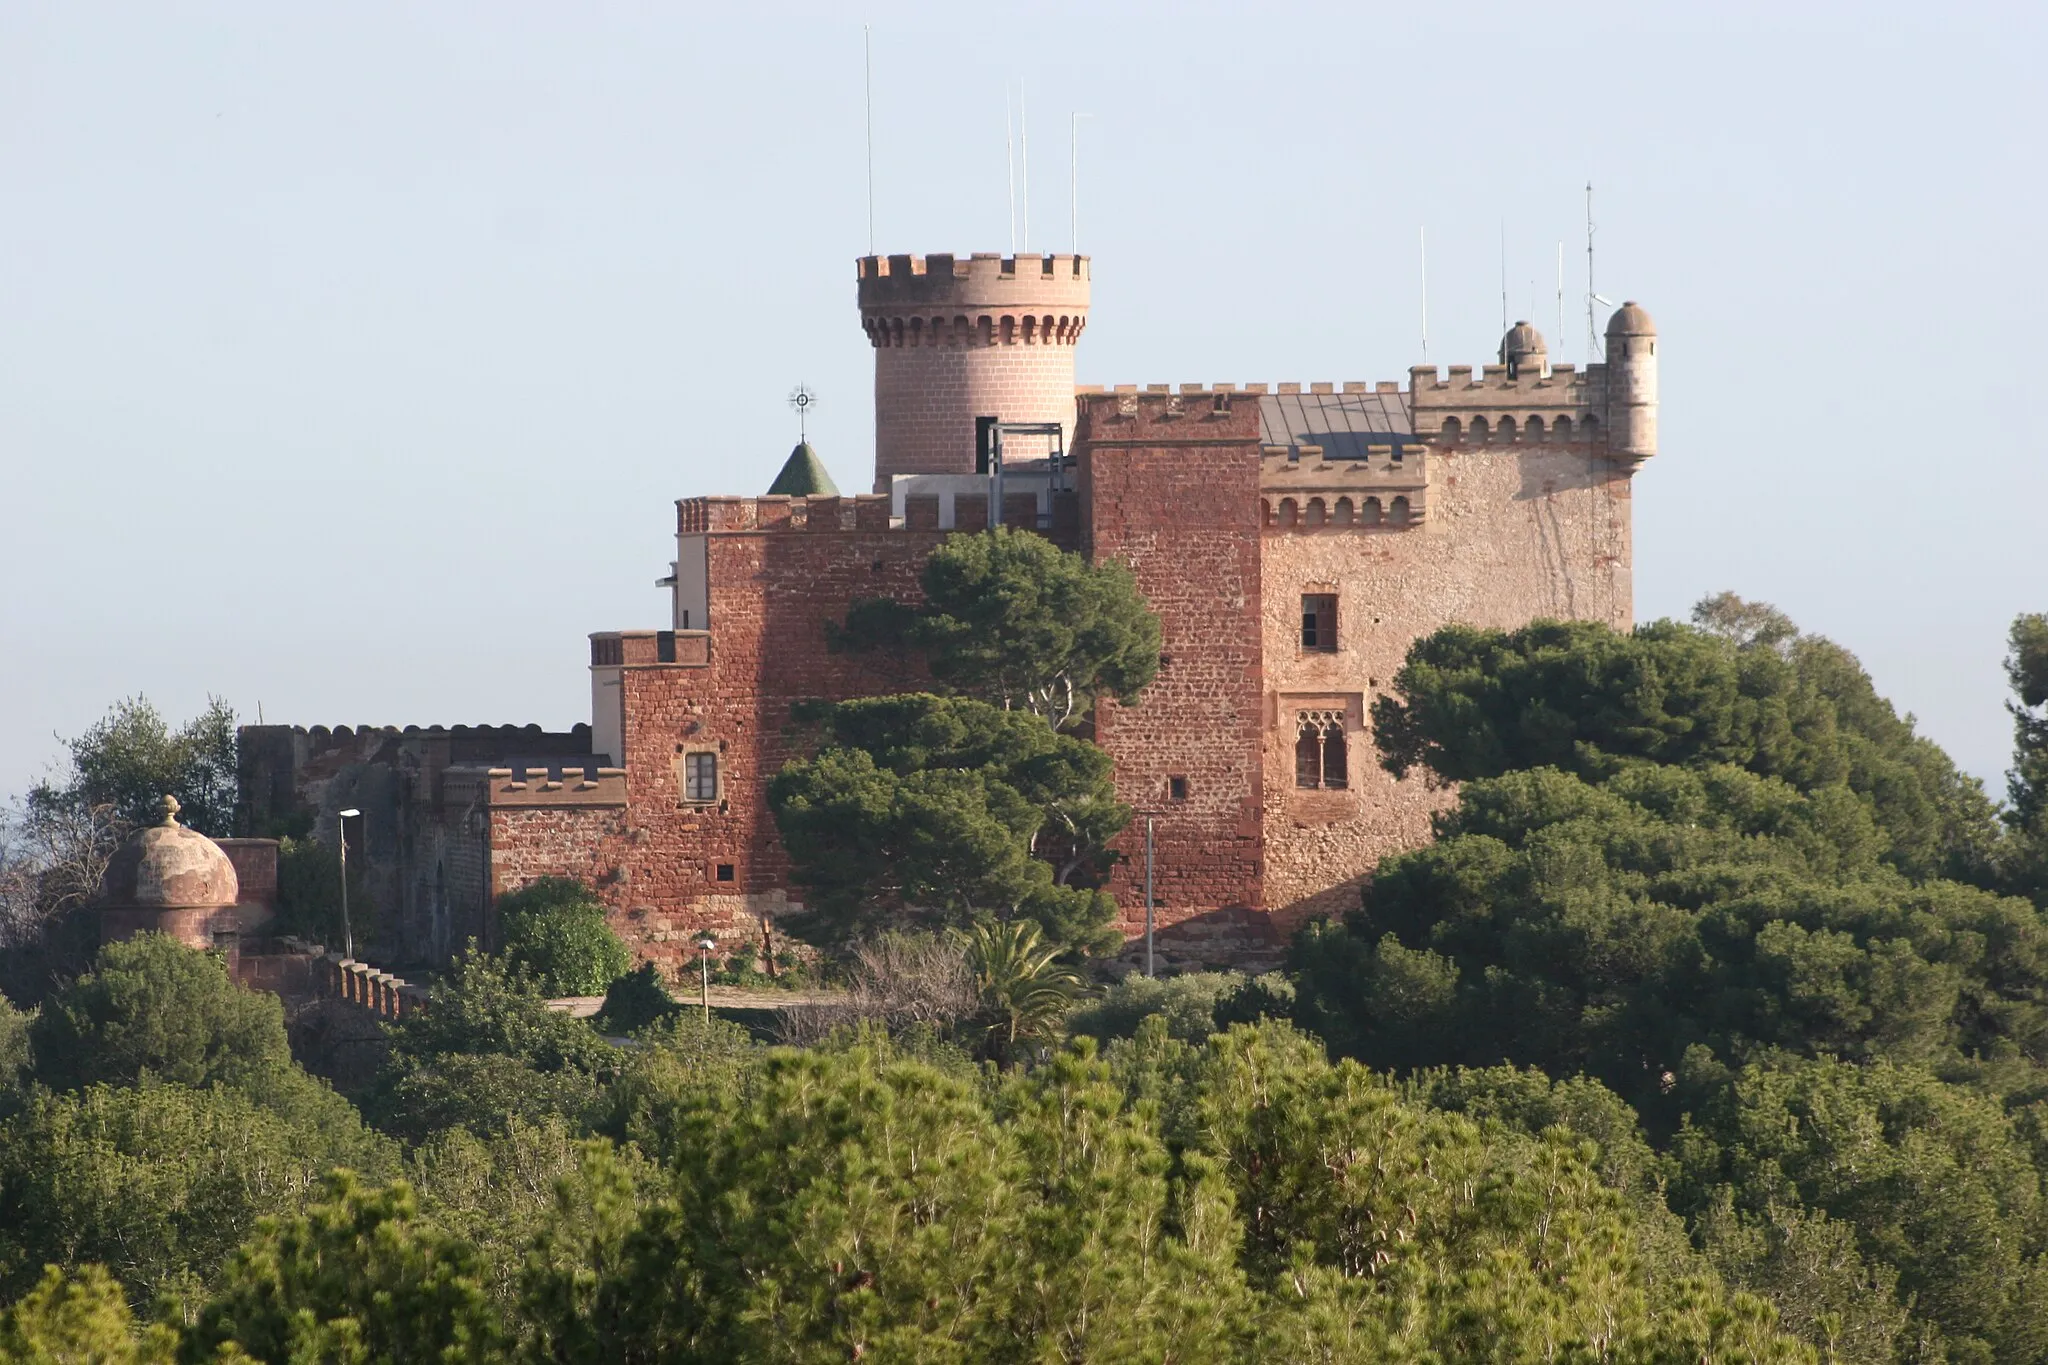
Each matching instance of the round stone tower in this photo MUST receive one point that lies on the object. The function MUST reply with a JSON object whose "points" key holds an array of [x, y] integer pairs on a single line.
{"points": [[989, 336], [1631, 384]]}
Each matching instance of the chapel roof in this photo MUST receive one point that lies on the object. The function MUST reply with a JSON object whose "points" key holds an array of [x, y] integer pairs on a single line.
{"points": [[803, 476]]}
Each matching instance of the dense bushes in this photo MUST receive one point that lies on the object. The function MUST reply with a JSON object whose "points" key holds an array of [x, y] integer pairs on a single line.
{"points": [[556, 930], [1712, 869]]}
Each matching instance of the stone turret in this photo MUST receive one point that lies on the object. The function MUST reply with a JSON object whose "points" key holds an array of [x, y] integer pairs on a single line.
{"points": [[1523, 349], [1631, 384], [988, 336], [169, 879]]}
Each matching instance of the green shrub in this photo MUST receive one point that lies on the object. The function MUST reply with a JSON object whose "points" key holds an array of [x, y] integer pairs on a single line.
{"points": [[556, 930], [309, 894], [1187, 1003], [636, 1000], [152, 1005]]}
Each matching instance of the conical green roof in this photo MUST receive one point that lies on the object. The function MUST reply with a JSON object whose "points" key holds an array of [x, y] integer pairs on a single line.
{"points": [[803, 476]]}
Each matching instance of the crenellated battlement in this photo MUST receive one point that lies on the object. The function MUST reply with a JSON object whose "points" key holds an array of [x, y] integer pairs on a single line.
{"points": [[1253, 390], [1303, 488], [867, 512], [984, 300], [545, 787], [982, 277], [776, 512], [320, 737], [1486, 405]]}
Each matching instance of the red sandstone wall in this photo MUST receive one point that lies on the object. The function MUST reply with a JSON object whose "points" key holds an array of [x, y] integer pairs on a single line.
{"points": [[773, 587], [1170, 487]]}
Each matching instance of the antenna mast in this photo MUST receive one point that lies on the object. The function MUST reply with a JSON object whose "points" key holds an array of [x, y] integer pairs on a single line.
{"points": [[867, 56], [1503, 276], [1592, 330], [1074, 177], [1422, 241], [1024, 155], [1560, 297], [1010, 165]]}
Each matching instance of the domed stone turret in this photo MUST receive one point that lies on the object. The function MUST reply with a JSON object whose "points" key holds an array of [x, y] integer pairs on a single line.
{"points": [[170, 879], [1523, 346], [1631, 384]]}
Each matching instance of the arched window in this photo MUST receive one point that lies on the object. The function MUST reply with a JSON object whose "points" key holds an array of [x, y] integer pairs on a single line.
{"points": [[1369, 513], [1507, 428], [1533, 428], [1314, 515], [1562, 428], [1344, 514], [1265, 511], [1479, 430], [1288, 512], [1452, 428], [1321, 758], [1397, 512]]}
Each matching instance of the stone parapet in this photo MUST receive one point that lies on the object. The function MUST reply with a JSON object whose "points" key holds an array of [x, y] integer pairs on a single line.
{"points": [[1301, 490]]}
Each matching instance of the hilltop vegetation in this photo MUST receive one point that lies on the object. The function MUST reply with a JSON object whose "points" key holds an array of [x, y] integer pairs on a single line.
{"points": [[1713, 1026]]}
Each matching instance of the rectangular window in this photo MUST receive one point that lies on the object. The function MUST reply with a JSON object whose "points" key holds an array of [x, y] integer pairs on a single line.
{"points": [[700, 777], [725, 872], [664, 646], [1319, 621], [1176, 789]]}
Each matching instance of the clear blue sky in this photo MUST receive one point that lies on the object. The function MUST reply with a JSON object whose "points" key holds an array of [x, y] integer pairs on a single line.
{"points": [[352, 356]]}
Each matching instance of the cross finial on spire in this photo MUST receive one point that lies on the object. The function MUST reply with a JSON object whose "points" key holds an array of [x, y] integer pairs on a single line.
{"points": [[802, 400], [170, 807]]}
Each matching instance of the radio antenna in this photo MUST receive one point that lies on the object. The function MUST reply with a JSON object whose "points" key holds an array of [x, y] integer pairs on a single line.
{"points": [[1010, 165], [1560, 298], [1422, 241], [867, 55], [1074, 177], [1024, 156], [1592, 330], [1503, 275]]}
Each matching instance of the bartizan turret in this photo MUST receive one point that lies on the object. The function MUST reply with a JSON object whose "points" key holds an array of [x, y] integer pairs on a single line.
{"points": [[1631, 385], [987, 336]]}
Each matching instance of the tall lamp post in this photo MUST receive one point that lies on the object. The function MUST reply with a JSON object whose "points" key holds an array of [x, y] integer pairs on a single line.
{"points": [[348, 938], [704, 947]]}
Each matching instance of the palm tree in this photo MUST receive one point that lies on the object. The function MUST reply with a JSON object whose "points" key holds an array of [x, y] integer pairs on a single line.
{"points": [[1019, 981]]}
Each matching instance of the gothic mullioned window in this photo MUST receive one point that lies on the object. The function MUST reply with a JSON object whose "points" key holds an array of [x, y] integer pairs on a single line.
{"points": [[1321, 758]]}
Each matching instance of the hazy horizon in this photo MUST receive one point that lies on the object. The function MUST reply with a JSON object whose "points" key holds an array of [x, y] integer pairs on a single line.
{"points": [[351, 361]]}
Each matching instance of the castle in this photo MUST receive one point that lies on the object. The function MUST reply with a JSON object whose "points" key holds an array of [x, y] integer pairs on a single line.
{"points": [[1293, 538]]}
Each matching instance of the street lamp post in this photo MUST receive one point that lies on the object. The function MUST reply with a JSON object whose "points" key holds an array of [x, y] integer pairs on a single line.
{"points": [[1148, 895], [348, 938], [704, 947]]}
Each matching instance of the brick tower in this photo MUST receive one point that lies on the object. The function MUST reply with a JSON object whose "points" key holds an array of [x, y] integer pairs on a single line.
{"points": [[990, 336]]}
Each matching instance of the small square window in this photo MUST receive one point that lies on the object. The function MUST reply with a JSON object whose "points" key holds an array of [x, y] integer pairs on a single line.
{"points": [[1177, 788], [700, 777], [724, 872], [1319, 621]]}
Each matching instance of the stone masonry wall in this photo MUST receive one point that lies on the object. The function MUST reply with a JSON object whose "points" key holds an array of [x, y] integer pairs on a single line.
{"points": [[1515, 532], [1169, 486], [927, 397], [779, 569]]}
